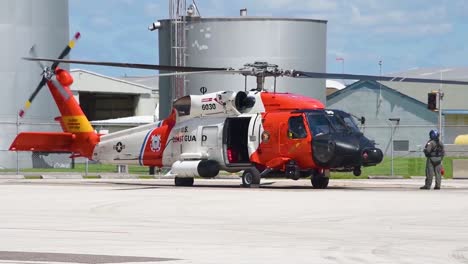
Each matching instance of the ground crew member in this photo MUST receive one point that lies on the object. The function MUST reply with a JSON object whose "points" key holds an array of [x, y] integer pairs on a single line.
{"points": [[434, 152]]}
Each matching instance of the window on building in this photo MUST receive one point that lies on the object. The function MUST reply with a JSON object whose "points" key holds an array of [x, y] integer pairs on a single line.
{"points": [[401, 145]]}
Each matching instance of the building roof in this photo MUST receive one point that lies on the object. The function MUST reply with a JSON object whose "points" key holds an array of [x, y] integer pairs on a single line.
{"points": [[360, 84], [454, 95], [454, 73], [148, 81], [125, 121], [89, 81], [334, 84]]}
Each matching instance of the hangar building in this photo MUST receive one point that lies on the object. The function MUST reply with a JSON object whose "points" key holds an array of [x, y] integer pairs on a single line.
{"points": [[382, 103], [103, 97]]}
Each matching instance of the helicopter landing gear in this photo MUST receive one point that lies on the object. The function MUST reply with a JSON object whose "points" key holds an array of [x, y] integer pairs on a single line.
{"points": [[250, 177], [357, 171], [183, 181], [319, 180]]}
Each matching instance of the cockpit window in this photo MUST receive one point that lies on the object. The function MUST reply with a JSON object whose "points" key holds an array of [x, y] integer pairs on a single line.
{"points": [[319, 124], [345, 119], [336, 121], [182, 105], [351, 124], [296, 127]]}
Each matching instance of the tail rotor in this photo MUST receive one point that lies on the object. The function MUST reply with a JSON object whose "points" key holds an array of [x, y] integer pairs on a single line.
{"points": [[47, 72]]}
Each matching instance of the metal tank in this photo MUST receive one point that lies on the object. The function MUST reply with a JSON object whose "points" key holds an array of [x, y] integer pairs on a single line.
{"points": [[22, 24], [232, 42]]}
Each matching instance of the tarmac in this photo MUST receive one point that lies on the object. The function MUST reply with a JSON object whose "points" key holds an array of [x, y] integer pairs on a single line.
{"points": [[217, 221]]}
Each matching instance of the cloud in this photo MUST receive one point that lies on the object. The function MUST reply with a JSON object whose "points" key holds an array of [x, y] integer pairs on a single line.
{"points": [[293, 5], [361, 31], [102, 22], [152, 9], [417, 30]]}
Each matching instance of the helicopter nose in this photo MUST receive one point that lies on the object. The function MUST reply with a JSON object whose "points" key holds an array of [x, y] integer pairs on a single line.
{"points": [[371, 156]]}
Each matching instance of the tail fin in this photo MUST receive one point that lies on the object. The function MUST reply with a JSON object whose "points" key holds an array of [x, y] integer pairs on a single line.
{"points": [[78, 138]]}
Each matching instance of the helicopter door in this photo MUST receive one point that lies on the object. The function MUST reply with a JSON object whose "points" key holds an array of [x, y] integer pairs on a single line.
{"points": [[235, 138], [323, 143]]}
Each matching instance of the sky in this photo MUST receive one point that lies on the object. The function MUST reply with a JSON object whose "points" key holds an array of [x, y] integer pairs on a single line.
{"points": [[402, 34]]}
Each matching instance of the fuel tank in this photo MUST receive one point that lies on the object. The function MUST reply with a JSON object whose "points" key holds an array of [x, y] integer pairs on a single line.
{"points": [[193, 168]]}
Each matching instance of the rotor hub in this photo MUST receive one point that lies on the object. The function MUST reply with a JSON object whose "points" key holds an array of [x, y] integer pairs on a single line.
{"points": [[47, 73]]}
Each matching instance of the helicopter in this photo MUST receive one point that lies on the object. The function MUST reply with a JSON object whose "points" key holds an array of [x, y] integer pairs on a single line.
{"points": [[262, 133]]}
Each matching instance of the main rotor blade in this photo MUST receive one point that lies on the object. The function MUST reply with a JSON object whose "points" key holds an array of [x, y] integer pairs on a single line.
{"points": [[32, 53], [320, 75], [199, 72], [132, 65], [67, 49], [33, 95]]}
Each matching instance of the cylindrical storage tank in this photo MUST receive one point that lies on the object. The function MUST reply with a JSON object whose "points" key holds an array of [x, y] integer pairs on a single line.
{"points": [[24, 23], [232, 42]]}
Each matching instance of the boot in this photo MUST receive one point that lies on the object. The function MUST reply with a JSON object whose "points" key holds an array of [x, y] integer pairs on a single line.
{"points": [[437, 188], [424, 187]]}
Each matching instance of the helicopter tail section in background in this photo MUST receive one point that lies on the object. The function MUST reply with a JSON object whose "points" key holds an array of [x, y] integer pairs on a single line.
{"points": [[78, 136]]}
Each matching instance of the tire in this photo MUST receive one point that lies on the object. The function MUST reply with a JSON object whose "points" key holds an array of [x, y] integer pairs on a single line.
{"points": [[183, 181], [319, 180], [357, 171], [250, 177]]}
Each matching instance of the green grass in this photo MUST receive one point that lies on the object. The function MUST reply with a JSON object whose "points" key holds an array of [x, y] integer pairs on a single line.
{"points": [[92, 168], [402, 166], [33, 177], [145, 177], [91, 177]]}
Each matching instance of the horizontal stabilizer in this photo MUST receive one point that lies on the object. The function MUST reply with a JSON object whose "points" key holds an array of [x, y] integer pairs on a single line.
{"points": [[43, 142]]}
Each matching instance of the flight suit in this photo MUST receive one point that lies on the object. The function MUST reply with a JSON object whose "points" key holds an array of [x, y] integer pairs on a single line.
{"points": [[434, 152]]}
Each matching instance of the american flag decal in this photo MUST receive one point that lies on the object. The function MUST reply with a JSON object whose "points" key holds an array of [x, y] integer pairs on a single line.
{"points": [[205, 100]]}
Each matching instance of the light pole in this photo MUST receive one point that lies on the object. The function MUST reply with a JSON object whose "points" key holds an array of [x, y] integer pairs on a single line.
{"points": [[397, 121], [439, 99], [439, 103]]}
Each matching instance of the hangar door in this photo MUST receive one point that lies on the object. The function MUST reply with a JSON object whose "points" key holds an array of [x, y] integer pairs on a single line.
{"points": [[99, 106]]}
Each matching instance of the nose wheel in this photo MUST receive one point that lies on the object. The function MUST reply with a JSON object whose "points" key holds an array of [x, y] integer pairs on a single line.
{"points": [[183, 181], [250, 177], [319, 180], [357, 171]]}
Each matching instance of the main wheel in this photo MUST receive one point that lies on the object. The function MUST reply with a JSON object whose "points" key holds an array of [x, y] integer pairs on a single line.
{"points": [[250, 176], [357, 171], [183, 181], [319, 180]]}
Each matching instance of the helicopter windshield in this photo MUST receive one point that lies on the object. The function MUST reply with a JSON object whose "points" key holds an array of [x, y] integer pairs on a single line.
{"points": [[318, 123], [326, 121], [336, 120], [351, 124], [348, 120]]}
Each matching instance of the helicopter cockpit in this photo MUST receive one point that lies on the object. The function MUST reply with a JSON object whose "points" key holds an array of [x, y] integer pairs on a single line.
{"points": [[338, 143]]}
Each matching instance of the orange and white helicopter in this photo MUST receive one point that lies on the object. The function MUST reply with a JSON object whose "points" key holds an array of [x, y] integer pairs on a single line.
{"points": [[262, 133]]}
